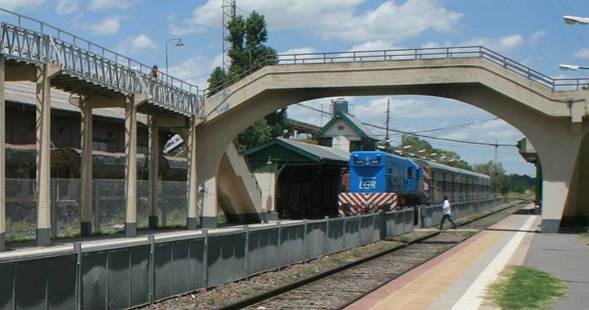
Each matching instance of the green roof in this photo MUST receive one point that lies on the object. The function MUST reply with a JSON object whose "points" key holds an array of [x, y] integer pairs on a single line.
{"points": [[293, 152]]}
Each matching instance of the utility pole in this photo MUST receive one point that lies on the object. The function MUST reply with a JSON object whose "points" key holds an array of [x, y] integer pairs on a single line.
{"points": [[229, 8], [386, 134]]}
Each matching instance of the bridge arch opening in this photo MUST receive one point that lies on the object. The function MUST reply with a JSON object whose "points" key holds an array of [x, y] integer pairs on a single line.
{"points": [[540, 113]]}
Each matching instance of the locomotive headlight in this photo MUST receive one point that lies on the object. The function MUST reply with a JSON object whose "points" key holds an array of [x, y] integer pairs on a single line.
{"points": [[375, 161]]}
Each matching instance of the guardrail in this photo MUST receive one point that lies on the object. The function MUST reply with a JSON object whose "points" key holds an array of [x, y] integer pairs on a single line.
{"points": [[30, 40], [481, 52]]}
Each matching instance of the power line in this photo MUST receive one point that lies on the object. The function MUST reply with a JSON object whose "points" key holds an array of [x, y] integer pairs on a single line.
{"points": [[417, 133]]}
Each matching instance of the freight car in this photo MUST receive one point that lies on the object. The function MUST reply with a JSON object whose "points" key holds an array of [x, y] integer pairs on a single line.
{"points": [[383, 181]]}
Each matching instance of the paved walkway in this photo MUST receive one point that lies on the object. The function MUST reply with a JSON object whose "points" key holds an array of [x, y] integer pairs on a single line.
{"points": [[458, 278]]}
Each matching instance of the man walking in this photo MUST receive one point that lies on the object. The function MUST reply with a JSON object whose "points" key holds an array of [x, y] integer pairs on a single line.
{"points": [[447, 213]]}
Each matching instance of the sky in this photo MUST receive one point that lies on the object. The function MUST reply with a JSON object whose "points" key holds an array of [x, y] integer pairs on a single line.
{"points": [[528, 31]]}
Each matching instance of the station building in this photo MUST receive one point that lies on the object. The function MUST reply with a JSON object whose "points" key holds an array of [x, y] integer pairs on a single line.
{"points": [[298, 180]]}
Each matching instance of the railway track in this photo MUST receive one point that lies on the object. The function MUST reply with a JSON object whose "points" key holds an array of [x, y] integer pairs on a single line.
{"points": [[344, 285]]}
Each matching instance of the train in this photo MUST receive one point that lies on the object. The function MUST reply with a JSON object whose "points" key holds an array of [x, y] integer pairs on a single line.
{"points": [[378, 180]]}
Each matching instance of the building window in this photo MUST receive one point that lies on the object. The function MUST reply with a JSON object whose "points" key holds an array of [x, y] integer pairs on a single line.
{"points": [[340, 127]]}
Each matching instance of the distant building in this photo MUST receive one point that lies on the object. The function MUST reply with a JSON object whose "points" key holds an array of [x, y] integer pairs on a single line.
{"points": [[345, 132]]}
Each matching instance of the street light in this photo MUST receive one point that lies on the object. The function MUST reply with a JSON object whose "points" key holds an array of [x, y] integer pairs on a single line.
{"points": [[572, 67], [179, 43], [571, 20]]}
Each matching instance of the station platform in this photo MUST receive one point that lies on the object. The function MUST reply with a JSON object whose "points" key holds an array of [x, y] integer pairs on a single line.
{"points": [[457, 279]]}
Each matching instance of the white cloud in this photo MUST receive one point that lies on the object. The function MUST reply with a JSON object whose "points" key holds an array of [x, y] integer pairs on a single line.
{"points": [[299, 50], [584, 53], [14, 4], [106, 26], [110, 4], [373, 46], [335, 19], [536, 36], [64, 7], [136, 44], [195, 70], [500, 44]]}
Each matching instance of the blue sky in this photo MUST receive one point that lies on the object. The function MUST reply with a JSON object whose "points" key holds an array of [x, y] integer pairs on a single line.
{"points": [[529, 31]]}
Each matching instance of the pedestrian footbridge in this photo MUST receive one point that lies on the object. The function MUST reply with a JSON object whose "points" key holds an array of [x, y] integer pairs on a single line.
{"points": [[550, 112]]}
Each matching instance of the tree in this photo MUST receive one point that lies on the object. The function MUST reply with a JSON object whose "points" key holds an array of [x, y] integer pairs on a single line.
{"points": [[217, 79], [248, 53]]}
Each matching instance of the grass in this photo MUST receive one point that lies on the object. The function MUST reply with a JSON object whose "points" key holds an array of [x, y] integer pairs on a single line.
{"points": [[520, 287]]}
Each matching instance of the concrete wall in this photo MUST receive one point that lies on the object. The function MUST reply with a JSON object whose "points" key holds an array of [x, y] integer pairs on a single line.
{"points": [[553, 125], [238, 192]]}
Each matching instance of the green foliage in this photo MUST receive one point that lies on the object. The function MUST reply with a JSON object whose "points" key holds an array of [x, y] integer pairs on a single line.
{"points": [[248, 52], [412, 145], [217, 79], [521, 287], [503, 183], [256, 134]]}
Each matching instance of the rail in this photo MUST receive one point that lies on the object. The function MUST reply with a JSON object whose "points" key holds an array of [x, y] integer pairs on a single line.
{"points": [[30, 40], [562, 84]]}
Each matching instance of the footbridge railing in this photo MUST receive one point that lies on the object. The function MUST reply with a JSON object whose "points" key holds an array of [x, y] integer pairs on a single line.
{"points": [[32, 41], [561, 84]]}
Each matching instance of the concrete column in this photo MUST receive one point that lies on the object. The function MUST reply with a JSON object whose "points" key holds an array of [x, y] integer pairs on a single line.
{"points": [[154, 162], [2, 156], [193, 189], [208, 201], [43, 137], [559, 156], [131, 166], [86, 168]]}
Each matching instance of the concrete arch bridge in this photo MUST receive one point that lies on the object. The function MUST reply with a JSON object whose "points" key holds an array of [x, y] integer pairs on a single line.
{"points": [[550, 112]]}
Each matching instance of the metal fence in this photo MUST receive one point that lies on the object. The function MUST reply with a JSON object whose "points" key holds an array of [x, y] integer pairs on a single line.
{"points": [[133, 273], [108, 206], [432, 215]]}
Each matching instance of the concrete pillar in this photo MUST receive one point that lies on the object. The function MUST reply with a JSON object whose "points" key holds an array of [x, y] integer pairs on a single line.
{"points": [[43, 141], [208, 202], [154, 162], [193, 189], [131, 166], [559, 156], [86, 168], [2, 156]]}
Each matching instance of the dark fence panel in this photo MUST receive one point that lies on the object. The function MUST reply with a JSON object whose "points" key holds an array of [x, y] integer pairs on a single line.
{"points": [[292, 246], [226, 258], [351, 232], [263, 251], [335, 241], [315, 239]]}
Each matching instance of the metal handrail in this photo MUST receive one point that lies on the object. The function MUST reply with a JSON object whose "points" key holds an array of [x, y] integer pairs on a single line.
{"points": [[417, 54], [60, 44]]}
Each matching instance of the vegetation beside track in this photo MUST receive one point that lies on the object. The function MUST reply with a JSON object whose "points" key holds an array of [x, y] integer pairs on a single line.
{"points": [[521, 287]]}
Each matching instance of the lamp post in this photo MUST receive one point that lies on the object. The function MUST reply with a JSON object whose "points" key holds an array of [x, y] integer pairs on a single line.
{"points": [[179, 43], [572, 67], [571, 20]]}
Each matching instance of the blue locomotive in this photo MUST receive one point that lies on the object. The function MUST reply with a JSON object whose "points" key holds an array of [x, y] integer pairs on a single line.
{"points": [[379, 180]]}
